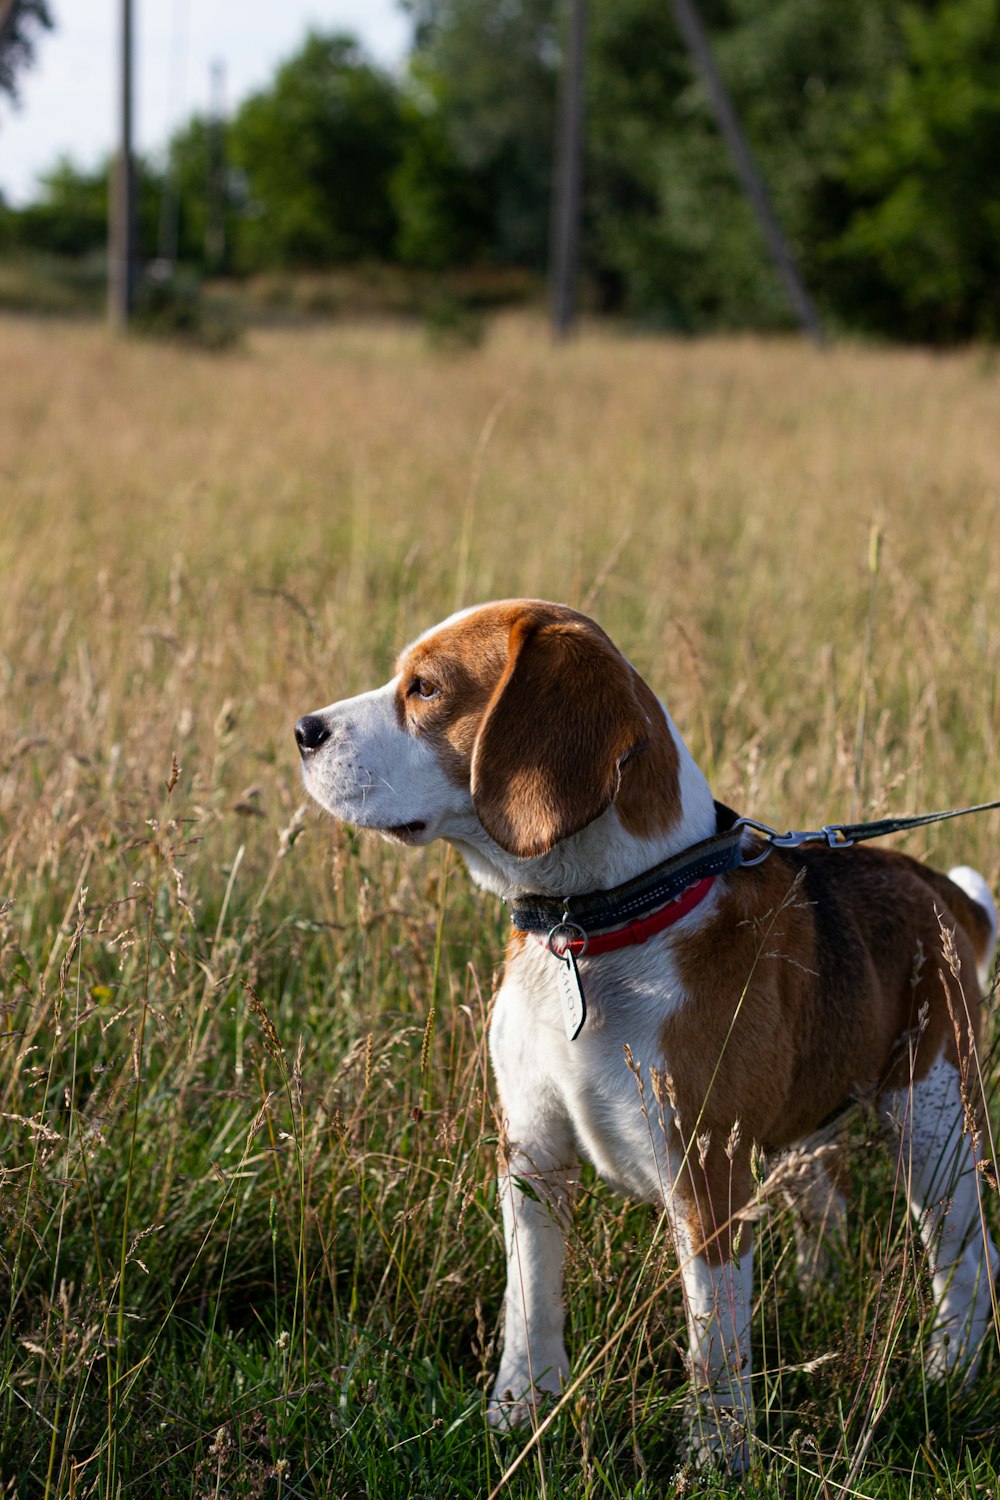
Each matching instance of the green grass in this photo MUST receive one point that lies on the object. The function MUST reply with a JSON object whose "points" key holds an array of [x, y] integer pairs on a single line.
{"points": [[50, 284], [248, 1234]]}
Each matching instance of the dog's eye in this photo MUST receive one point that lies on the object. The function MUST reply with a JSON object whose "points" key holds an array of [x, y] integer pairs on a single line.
{"points": [[421, 687]]}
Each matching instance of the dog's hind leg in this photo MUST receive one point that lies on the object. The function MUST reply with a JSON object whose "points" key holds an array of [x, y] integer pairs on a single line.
{"points": [[819, 1207], [940, 1166]]}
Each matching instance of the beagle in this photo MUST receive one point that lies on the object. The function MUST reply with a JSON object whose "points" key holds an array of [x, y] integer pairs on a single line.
{"points": [[671, 998]]}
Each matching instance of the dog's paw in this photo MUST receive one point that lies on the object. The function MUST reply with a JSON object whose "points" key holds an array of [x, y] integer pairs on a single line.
{"points": [[953, 1352], [507, 1414], [964, 1319], [717, 1456], [516, 1402], [717, 1438]]}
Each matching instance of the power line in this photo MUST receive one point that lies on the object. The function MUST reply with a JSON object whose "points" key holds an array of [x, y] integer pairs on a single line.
{"points": [[122, 223], [169, 230], [215, 229]]}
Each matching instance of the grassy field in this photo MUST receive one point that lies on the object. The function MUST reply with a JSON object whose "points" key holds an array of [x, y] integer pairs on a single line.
{"points": [[248, 1236]]}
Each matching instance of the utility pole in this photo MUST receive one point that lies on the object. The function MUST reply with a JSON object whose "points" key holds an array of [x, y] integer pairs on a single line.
{"points": [[122, 221], [728, 122], [564, 250]]}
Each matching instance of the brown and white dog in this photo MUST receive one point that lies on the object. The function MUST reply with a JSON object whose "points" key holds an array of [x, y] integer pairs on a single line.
{"points": [[778, 993]]}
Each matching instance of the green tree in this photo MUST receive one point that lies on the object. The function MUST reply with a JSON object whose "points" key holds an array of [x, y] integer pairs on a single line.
{"points": [[668, 234], [876, 124], [19, 27], [921, 249], [70, 214], [492, 69], [188, 182], [318, 149], [443, 207], [670, 225]]}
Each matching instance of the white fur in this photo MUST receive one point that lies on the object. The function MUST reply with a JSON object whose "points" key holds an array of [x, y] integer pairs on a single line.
{"points": [[536, 1200], [944, 1189], [718, 1301], [372, 774], [973, 884]]}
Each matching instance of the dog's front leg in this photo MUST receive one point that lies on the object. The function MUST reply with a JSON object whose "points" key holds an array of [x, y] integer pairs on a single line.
{"points": [[536, 1198], [718, 1297]]}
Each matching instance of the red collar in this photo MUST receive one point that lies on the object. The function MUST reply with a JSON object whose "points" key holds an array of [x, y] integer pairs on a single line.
{"points": [[630, 933]]}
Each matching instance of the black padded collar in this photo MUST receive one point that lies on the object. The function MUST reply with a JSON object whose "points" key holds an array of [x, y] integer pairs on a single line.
{"points": [[595, 910]]}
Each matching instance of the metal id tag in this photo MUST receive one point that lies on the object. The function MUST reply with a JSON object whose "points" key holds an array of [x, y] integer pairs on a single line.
{"points": [[574, 1002]]}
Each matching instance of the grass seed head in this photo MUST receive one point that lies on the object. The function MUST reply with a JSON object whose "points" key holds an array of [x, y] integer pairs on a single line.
{"points": [[268, 1031]]}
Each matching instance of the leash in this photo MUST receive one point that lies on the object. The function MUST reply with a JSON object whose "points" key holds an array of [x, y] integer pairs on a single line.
{"points": [[843, 835]]}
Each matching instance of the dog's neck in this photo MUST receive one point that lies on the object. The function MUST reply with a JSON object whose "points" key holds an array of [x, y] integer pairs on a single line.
{"points": [[605, 853]]}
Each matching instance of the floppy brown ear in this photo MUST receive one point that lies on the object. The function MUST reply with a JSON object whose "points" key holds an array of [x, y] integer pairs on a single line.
{"points": [[562, 721]]}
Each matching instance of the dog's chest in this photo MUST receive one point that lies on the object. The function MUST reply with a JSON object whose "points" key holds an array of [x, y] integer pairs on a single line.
{"points": [[606, 1088]]}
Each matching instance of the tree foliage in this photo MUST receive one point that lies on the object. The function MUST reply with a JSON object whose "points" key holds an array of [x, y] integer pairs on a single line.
{"points": [[20, 23], [876, 125], [318, 149], [70, 214], [668, 234], [445, 214], [923, 235], [493, 70]]}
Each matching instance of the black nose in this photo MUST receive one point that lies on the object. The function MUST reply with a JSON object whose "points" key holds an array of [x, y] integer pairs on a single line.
{"points": [[310, 733]]}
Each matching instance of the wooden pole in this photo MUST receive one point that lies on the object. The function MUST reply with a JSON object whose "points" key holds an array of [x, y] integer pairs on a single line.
{"points": [[567, 187], [122, 236], [728, 122]]}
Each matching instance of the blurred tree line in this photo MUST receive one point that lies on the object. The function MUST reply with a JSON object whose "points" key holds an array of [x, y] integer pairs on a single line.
{"points": [[876, 124]]}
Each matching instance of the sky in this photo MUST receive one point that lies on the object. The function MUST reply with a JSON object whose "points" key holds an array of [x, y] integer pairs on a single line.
{"points": [[67, 99]]}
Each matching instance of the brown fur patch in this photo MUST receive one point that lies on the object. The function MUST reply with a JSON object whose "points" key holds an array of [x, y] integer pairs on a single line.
{"points": [[648, 802], [540, 714], [818, 978], [515, 944]]}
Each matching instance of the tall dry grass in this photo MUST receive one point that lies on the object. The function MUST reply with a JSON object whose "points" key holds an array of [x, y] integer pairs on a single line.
{"points": [[247, 1232]]}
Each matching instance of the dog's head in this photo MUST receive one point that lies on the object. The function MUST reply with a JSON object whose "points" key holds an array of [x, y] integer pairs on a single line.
{"points": [[519, 718]]}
